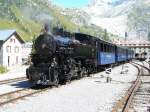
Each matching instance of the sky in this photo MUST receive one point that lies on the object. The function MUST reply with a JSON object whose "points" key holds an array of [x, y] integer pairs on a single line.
{"points": [[73, 3]]}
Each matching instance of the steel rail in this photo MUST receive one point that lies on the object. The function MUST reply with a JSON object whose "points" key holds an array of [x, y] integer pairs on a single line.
{"points": [[12, 80], [19, 94], [123, 104], [148, 69]]}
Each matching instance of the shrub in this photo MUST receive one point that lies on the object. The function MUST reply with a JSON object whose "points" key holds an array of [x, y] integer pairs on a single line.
{"points": [[3, 69]]}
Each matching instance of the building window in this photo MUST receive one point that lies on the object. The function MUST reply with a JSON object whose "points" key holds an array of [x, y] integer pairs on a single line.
{"points": [[16, 49], [8, 49], [12, 40]]}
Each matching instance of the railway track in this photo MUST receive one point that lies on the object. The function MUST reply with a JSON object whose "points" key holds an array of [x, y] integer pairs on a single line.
{"points": [[137, 98], [10, 97], [141, 99], [12, 80], [148, 69]]}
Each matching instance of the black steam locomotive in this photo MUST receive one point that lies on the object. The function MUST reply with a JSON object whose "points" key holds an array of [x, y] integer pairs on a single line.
{"points": [[57, 59]]}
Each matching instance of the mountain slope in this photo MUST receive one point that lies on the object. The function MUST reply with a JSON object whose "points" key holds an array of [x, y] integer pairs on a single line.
{"points": [[29, 16]]}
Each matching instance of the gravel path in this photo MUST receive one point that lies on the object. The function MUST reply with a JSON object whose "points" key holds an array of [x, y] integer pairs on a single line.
{"points": [[91, 94]]}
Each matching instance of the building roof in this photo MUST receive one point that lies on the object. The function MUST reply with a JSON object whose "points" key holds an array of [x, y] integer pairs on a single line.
{"points": [[6, 34]]}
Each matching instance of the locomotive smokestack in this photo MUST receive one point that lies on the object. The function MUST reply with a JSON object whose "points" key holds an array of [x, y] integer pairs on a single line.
{"points": [[47, 29], [46, 20]]}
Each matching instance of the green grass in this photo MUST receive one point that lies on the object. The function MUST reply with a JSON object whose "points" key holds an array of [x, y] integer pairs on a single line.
{"points": [[3, 70]]}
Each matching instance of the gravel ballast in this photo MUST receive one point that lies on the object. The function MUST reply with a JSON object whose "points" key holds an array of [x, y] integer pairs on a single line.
{"points": [[90, 94]]}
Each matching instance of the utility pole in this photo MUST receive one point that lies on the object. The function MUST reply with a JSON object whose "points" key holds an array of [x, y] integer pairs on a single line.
{"points": [[126, 35]]}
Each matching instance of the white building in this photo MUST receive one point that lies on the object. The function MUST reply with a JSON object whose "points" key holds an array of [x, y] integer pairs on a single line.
{"points": [[10, 48]]}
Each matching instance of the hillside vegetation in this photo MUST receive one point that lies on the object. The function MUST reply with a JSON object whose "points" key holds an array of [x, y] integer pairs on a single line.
{"points": [[27, 17]]}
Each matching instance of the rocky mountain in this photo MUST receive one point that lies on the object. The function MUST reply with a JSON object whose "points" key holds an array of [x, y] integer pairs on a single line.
{"points": [[117, 17], [77, 16], [104, 13], [107, 8], [110, 15], [120, 16]]}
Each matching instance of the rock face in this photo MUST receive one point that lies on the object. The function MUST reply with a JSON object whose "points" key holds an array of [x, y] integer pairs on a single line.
{"points": [[114, 15], [78, 16], [104, 13], [107, 8], [110, 15]]}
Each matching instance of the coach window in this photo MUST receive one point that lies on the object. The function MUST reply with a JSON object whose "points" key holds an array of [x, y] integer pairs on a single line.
{"points": [[101, 47], [119, 50], [109, 48], [113, 49], [104, 47]]}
